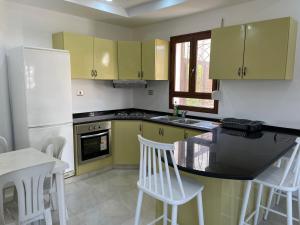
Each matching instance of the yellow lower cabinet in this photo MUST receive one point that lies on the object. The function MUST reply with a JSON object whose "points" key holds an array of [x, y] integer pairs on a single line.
{"points": [[125, 142], [191, 133], [162, 133], [151, 131], [97, 165], [171, 134]]}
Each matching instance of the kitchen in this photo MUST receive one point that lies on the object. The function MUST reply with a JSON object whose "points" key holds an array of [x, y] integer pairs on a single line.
{"points": [[271, 101]]}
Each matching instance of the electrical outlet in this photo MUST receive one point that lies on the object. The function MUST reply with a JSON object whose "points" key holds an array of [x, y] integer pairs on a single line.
{"points": [[150, 92], [80, 93]]}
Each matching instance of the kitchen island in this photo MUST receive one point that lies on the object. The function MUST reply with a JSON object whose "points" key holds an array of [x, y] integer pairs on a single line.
{"points": [[222, 160]]}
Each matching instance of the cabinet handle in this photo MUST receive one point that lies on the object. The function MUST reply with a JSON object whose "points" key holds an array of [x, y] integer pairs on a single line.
{"points": [[162, 132], [239, 71], [159, 131], [96, 73], [139, 74], [245, 71], [140, 127]]}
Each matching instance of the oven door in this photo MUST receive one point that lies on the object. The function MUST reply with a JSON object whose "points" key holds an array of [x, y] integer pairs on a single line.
{"points": [[94, 145]]}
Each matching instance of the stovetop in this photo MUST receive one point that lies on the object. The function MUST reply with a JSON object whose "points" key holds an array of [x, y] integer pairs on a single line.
{"points": [[126, 114]]}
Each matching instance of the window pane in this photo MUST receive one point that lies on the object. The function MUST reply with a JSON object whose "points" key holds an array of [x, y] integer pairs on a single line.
{"points": [[194, 102], [182, 66], [203, 83]]}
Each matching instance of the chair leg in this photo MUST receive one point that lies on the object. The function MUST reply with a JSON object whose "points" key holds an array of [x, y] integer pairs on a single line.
{"points": [[289, 208], [278, 198], [270, 198], [174, 214], [138, 208], [258, 201], [200, 209], [298, 205], [53, 202], [48, 217], [165, 222], [245, 202]]}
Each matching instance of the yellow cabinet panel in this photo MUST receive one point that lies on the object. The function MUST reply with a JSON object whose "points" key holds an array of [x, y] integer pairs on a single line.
{"points": [[155, 60], [81, 52], [172, 134], [151, 131], [129, 60], [266, 49], [227, 49], [125, 142], [162, 133], [105, 59], [191, 133]]}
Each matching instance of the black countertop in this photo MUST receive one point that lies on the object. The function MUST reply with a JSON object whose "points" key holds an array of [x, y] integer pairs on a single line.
{"points": [[137, 114], [231, 154], [220, 153]]}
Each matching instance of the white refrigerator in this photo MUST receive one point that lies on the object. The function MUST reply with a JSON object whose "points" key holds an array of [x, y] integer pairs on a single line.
{"points": [[41, 98]]}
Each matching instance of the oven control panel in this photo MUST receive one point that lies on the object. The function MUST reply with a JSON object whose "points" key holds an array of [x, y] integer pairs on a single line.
{"points": [[92, 127]]}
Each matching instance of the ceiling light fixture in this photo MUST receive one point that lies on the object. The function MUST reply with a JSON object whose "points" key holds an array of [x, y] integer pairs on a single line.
{"points": [[109, 0]]}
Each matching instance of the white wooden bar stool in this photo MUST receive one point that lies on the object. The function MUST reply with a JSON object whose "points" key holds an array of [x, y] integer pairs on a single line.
{"points": [[161, 183], [282, 179]]}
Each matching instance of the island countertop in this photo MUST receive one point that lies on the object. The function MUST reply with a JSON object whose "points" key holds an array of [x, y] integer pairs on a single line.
{"points": [[230, 154]]}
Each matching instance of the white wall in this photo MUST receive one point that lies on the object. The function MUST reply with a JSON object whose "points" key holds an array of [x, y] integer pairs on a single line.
{"points": [[276, 102], [31, 26]]}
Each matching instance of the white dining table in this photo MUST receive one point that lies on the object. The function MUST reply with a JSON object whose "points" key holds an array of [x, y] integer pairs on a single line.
{"points": [[24, 158]]}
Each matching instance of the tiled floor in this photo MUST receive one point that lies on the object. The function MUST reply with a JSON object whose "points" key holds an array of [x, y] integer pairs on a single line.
{"points": [[110, 199]]}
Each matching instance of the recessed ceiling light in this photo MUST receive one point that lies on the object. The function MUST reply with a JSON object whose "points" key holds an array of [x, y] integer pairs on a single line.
{"points": [[109, 0]]}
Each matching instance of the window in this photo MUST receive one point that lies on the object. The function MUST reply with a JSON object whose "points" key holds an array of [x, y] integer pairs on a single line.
{"points": [[190, 86]]}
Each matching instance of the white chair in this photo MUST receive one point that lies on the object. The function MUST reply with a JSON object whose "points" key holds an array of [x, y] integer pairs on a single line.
{"points": [[282, 179], [29, 184], [3, 145], [157, 181], [54, 147]]}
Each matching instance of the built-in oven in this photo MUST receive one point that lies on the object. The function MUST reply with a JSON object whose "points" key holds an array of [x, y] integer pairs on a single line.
{"points": [[93, 141]]}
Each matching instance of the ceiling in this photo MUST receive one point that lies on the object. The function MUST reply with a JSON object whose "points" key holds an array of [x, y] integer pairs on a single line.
{"points": [[131, 13]]}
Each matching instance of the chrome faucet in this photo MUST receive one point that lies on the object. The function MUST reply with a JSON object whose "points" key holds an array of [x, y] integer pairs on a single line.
{"points": [[183, 113]]}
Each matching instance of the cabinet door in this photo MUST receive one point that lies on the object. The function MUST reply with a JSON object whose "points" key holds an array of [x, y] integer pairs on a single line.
{"points": [[227, 49], [126, 149], [151, 131], [155, 60], [106, 59], [191, 133], [172, 134], [148, 60], [266, 49], [81, 54], [129, 60]]}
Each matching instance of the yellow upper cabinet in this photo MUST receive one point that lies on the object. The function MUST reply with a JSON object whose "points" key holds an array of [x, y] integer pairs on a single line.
{"points": [[227, 49], [105, 59], [129, 60], [267, 50], [81, 52], [155, 60], [270, 49], [91, 58]]}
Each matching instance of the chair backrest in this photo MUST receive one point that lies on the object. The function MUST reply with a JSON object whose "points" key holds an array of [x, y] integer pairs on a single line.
{"points": [[29, 183], [54, 146], [155, 177], [3, 145], [293, 166]]}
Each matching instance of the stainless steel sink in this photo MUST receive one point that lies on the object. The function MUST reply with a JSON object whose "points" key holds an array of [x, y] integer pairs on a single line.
{"points": [[186, 121], [166, 118]]}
